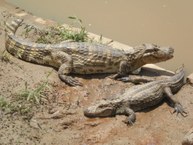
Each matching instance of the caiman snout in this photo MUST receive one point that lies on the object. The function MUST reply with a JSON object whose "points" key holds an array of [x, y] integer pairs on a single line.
{"points": [[154, 53], [169, 51], [87, 113], [99, 110]]}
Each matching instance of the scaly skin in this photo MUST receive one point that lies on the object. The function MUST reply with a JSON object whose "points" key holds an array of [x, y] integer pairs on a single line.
{"points": [[84, 57], [140, 97]]}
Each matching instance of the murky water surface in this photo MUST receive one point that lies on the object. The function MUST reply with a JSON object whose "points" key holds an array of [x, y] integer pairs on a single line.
{"points": [[163, 22]]}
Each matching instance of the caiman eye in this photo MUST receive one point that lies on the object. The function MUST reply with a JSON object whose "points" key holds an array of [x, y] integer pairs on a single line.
{"points": [[103, 106], [156, 49]]}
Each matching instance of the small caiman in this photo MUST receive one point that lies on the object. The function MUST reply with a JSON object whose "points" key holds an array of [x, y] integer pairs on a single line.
{"points": [[83, 57], [140, 97]]}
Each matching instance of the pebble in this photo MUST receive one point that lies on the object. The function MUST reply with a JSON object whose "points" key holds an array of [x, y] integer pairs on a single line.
{"points": [[34, 123]]}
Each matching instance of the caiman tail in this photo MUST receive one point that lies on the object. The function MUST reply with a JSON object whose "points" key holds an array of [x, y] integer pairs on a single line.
{"points": [[28, 51], [178, 80]]}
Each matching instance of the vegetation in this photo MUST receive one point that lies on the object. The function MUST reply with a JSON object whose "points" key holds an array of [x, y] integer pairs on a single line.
{"points": [[56, 34], [25, 100], [3, 103], [5, 56], [12, 107], [35, 95]]}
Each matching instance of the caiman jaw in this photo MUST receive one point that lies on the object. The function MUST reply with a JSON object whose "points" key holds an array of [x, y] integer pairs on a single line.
{"points": [[166, 51], [87, 113], [99, 111]]}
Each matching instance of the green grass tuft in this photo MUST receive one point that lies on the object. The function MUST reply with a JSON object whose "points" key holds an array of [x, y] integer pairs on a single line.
{"points": [[35, 95], [57, 34], [3, 103], [5, 57]]}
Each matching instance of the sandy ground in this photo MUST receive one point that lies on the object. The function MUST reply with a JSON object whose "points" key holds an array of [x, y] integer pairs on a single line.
{"points": [[59, 118]]}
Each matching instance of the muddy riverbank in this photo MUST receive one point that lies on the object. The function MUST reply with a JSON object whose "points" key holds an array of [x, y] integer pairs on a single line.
{"points": [[59, 118]]}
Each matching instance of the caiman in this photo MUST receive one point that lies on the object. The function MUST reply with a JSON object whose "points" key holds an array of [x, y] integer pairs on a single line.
{"points": [[140, 97], [83, 57]]}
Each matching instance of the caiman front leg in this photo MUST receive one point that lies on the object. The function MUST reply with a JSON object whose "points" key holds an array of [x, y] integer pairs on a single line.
{"points": [[177, 106], [125, 110], [66, 66], [125, 71], [131, 116], [63, 72]]}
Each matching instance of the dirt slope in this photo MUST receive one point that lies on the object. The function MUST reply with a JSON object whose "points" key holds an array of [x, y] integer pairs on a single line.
{"points": [[60, 120]]}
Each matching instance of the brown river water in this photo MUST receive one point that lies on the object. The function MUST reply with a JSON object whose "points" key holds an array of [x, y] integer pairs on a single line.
{"points": [[163, 22]]}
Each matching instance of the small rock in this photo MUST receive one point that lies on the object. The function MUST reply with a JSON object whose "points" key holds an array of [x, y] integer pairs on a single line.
{"points": [[92, 124], [60, 112], [85, 93], [188, 138], [71, 112], [66, 124], [34, 123], [190, 79], [52, 110], [57, 115]]}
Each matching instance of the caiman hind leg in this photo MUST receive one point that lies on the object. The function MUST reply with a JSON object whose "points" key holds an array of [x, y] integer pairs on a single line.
{"points": [[66, 67], [176, 104]]}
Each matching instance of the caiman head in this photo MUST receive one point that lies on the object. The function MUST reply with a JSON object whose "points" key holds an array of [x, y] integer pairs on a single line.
{"points": [[154, 54], [101, 109]]}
